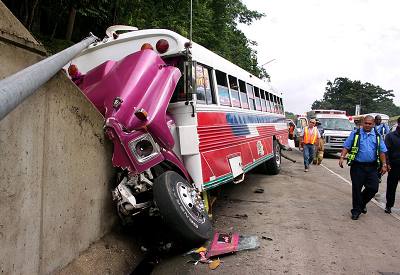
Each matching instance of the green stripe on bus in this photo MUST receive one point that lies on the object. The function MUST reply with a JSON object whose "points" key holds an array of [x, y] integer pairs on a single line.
{"points": [[224, 179]]}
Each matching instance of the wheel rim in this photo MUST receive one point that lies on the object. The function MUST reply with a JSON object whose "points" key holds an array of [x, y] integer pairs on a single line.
{"points": [[278, 155], [191, 201]]}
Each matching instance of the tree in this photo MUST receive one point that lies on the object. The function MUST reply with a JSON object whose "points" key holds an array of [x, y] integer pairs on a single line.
{"points": [[290, 115], [345, 94], [214, 22]]}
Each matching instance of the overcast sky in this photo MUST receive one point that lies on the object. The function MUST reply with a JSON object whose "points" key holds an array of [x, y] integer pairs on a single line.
{"points": [[318, 40]]}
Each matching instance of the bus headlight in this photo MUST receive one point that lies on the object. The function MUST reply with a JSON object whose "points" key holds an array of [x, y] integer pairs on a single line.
{"points": [[144, 148]]}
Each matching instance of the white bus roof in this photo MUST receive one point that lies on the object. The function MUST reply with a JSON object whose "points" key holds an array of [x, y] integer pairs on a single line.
{"points": [[129, 42]]}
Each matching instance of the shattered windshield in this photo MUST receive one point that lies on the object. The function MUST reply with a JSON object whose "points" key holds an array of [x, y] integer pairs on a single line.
{"points": [[339, 124]]}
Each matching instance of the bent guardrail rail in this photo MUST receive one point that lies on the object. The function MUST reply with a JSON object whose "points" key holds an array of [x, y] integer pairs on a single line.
{"points": [[16, 88]]}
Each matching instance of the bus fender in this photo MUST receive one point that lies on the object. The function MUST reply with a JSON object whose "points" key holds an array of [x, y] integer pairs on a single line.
{"points": [[172, 158]]}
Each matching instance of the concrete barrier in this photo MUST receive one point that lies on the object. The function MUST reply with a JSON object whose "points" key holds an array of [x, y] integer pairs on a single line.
{"points": [[55, 167]]}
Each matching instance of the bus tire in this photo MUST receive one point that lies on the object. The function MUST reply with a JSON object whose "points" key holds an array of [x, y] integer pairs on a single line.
{"points": [[273, 165], [181, 208]]}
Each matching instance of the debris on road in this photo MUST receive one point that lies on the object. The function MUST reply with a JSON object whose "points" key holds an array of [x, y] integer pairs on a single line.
{"points": [[266, 238], [288, 158], [259, 190], [214, 264], [236, 216], [248, 243], [222, 244]]}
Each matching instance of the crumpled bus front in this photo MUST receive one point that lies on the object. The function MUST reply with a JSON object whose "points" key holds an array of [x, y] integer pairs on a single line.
{"points": [[133, 95]]}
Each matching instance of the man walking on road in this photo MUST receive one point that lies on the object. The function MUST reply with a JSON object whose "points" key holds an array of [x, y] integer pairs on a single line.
{"points": [[382, 128], [309, 136], [366, 154], [392, 142]]}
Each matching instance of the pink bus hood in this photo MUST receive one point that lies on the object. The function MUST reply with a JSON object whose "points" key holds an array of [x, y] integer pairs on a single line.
{"points": [[141, 80]]}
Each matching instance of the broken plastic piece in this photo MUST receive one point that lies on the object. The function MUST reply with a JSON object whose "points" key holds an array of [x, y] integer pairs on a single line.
{"points": [[223, 243], [248, 242], [214, 264], [201, 249]]}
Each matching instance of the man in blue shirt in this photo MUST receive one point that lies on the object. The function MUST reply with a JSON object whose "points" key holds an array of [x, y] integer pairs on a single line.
{"points": [[364, 147], [382, 128]]}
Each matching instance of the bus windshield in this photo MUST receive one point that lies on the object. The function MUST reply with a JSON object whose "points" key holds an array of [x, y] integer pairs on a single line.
{"points": [[339, 124]]}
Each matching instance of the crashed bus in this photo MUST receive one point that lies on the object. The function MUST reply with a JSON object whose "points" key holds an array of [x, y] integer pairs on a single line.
{"points": [[182, 119]]}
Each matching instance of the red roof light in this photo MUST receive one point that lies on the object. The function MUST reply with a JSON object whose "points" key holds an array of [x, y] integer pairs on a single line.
{"points": [[162, 46]]}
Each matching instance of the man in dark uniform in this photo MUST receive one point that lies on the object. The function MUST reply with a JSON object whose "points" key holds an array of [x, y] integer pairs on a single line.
{"points": [[392, 142], [366, 154]]}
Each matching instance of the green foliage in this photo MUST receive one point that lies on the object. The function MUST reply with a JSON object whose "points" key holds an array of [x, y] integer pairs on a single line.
{"points": [[214, 22], [345, 94], [290, 115]]}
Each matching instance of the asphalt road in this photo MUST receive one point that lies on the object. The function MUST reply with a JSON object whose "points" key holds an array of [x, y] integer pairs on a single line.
{"points": [[307, 218]]}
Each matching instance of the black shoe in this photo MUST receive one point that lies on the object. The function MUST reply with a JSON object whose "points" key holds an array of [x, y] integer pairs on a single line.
{"points": [[364, 210], [355, 216], [388, 210]]}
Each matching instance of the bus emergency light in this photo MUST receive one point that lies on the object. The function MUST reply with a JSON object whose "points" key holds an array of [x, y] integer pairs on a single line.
{"points": [[162, 46]]}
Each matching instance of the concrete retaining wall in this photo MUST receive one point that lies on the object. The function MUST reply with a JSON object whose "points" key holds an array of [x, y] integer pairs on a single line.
{"points": [[55, 167]]}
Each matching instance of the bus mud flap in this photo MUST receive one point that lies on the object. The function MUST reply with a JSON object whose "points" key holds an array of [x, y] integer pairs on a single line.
{"points": [[237, 170]]}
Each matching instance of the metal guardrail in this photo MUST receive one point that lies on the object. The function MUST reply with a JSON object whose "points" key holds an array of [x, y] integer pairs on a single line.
{"points": [[16, 88]]}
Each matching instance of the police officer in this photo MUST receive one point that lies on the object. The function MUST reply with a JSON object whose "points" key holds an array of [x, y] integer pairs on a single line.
{"points": [[366, 154], [392, 142]]}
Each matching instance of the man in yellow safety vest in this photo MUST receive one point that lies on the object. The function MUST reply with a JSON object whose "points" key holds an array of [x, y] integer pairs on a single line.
{"points": [[309, 136]]}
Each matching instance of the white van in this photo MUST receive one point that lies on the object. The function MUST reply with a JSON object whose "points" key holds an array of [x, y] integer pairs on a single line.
{"points": [[336, 128]]}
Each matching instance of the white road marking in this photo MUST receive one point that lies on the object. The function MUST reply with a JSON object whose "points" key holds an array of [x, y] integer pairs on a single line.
{"points": [[379, 204]]}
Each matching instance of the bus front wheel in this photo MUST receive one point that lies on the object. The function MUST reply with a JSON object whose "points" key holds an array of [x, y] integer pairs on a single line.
{"points": [[181, 208], [273, 165]]}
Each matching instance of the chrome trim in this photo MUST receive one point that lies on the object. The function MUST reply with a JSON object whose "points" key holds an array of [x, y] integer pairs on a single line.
{"points": [[148, 137]]}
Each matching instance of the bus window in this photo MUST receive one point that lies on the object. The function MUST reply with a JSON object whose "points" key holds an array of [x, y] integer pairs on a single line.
{"points": [[276, 109], [223, 91], [207, 84], [281, 105], [271, 100], [268, 101], [278, 104], [257, 98], [233, 85], [250, 94], [278, 100], [203, 87], [179, 93], [243, 95], [200, 89], [273, 103], [263, 104]]}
